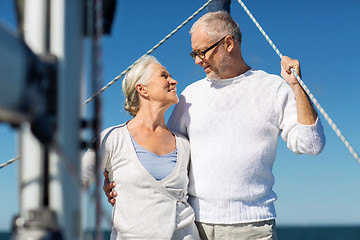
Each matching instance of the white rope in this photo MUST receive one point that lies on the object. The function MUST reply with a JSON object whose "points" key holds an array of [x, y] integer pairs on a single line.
{"points": [[148, 52], [306, 89], [10, 162]]}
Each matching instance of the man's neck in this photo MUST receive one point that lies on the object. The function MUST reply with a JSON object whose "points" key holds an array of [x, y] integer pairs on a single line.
{"points": [[239, 70], [238, 66]]}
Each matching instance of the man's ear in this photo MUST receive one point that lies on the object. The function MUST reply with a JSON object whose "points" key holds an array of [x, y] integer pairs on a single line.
{"points": [[229, 43], [141, 89]]}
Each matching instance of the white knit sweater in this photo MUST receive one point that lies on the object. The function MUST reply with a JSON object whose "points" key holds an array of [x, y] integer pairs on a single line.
{"points": [[233, 126]]}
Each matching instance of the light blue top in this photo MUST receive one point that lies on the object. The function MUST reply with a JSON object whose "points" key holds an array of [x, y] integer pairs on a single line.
{"points": [[159, 166]]}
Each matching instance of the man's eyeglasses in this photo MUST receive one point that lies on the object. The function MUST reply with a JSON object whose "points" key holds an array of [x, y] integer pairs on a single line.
{"points": [[201, 54]]}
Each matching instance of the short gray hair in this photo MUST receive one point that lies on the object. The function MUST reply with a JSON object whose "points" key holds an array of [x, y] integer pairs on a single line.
{"points": [[139, 73], [217, 25]]}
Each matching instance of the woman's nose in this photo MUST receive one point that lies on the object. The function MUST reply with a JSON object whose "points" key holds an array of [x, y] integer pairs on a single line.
{"points": [[173, 81]]}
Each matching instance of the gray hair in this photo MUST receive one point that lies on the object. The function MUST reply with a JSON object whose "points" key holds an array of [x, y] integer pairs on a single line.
{"points": [[217, 25], [139, 73]]}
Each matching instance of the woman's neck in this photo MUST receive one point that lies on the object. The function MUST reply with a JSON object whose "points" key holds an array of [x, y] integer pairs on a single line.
{"points": [[148, 118]]}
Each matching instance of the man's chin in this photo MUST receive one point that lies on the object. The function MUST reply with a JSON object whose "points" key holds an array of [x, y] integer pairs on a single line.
{"points": [[213, 76]]}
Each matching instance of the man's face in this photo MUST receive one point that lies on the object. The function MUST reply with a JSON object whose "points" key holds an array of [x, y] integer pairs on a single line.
{"points": [[213, 61]]}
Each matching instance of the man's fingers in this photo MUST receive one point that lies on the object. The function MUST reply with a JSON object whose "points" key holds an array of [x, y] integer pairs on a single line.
{"points": [[106, 175], [107, 188], [113, 194], [106, 179], [108, 194], [288, 63], [111, 201]]}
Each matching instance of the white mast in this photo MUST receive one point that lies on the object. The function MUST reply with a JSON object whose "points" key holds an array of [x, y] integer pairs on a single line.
{"points": [[54, 28], [30, 182], [67, 46], [45, 74]]}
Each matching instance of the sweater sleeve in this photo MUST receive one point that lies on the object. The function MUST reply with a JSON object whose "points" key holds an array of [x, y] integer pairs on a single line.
{"points": [[178, 118], [88, 161], [301, 139]]}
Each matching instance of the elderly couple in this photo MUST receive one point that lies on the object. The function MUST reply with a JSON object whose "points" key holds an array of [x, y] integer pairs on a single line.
{"points": [[231, 121]]}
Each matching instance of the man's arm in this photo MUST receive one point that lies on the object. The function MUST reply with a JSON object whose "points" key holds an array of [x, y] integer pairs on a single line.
{"points": [[108, 189], [306, 114], [177, 122]]}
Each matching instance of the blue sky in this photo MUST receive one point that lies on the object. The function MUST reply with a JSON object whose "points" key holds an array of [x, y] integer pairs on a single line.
{"points": [[324, 35]]}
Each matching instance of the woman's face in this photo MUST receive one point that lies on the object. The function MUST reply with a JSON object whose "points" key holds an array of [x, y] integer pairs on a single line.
{"points": [[161, 87]]}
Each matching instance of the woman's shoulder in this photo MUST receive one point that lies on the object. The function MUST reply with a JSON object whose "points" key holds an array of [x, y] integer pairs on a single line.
{"points": [[181, 140], [113, 131], [114, 128], [180, 136]]}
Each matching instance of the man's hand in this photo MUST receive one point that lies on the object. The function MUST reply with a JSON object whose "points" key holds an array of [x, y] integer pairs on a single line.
{"points": [[108, 189], [306, 113], [286, 64]]}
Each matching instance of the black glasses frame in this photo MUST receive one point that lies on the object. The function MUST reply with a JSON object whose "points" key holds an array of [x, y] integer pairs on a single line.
{"points": [[201, 54]]}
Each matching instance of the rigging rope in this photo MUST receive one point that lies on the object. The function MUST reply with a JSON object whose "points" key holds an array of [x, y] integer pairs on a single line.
{"points": [[10, 162], [306, 89], [148, 52]]}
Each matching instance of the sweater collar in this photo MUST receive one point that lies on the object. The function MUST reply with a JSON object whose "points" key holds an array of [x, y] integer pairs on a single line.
{"points": [[233, 80]]}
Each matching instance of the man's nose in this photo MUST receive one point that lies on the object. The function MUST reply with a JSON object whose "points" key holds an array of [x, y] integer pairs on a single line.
{"points": [[198, 60]]}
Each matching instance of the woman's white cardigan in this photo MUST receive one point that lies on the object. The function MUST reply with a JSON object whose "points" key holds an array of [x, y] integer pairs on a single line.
{"points": [[145, 208]]}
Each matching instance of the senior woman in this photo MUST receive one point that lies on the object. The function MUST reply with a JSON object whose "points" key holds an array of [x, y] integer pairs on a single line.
{"points": [[148, 162]]}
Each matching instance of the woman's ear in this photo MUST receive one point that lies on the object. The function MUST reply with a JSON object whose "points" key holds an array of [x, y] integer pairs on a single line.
{"points": [[141, 89]]}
